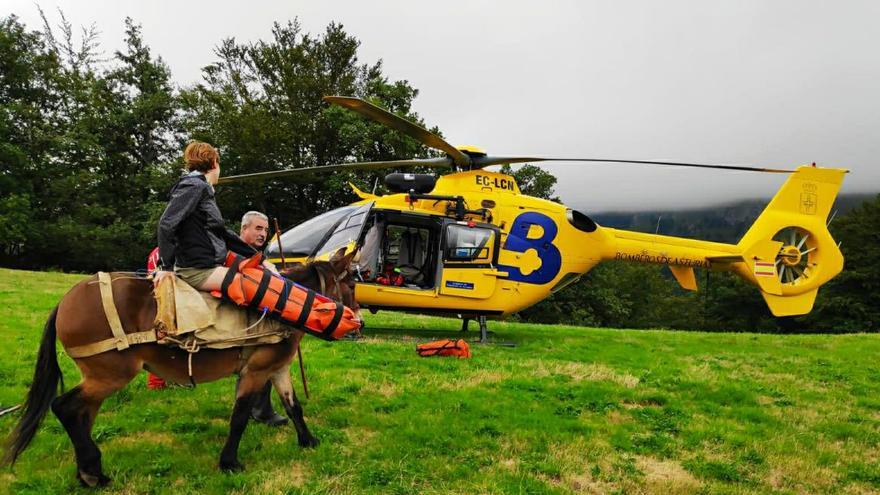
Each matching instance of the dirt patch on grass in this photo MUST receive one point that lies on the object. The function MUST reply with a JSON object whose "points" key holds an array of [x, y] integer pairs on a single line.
{"points": [[384, 389], [280, 480], [794, 473], [614, 417], [666, 476], [143, 437], [359, 437], [592, 372], [584, 483], [480, 377]]}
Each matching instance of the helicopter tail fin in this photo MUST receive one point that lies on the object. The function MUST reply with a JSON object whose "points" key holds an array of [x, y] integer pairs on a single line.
{"points": [[789, 252]]}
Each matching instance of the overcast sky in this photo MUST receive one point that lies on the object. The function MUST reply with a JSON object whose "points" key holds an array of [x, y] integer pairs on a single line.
{"points": [[771, 83]]}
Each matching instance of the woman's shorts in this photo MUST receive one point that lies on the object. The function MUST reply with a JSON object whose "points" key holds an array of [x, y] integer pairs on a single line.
{"points": [[195, 277]]}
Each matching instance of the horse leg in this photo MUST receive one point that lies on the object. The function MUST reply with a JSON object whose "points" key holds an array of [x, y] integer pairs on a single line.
{"points": [[77, 409], [281, 381], [249, 388]]}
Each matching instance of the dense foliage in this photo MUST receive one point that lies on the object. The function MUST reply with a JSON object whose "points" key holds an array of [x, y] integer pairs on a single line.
{"points": [[88, 149]]}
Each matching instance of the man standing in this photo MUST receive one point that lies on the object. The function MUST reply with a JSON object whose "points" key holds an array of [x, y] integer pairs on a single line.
{"points": [[254, 231]]}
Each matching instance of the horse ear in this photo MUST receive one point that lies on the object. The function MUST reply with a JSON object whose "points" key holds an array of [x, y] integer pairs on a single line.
{"points": [[337, 255], [340, 261], [346, 260]]}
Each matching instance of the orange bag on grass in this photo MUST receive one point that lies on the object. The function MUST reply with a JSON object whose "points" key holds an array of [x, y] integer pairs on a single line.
{"points": [[445, 347]]}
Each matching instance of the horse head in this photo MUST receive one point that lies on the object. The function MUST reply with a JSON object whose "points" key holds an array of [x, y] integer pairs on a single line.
{"points": [[334, 278]]}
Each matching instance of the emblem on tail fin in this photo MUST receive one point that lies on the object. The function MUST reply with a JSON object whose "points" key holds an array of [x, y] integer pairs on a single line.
{"points": [[809, 199]]}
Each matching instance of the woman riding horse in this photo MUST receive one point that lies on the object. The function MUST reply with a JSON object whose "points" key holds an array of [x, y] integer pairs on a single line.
{"points": [[193, 240], [195, 248]]}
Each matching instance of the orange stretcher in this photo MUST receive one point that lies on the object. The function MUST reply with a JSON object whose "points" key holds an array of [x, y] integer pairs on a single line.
{"points": [[248, 284]]}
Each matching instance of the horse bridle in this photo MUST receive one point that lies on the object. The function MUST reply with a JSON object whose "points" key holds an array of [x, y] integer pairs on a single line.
{"points": [[336, 278]]}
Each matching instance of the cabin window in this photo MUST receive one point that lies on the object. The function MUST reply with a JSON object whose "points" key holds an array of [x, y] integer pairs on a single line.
{"points": [[464, 243], [303, 239]]}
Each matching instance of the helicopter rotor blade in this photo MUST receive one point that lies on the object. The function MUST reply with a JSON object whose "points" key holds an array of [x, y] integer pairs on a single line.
{"points": [[442, 162], [485, 161], [412, 130]]}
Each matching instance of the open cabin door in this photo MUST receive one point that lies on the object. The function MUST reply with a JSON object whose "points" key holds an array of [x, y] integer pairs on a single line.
{"points": [[470, 253], [345, 233]]}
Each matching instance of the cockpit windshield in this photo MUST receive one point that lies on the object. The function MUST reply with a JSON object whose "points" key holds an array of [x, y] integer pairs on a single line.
{"points": [[303, 239]]}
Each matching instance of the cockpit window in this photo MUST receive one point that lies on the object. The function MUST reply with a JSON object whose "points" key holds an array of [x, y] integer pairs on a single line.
{"points": [[303, 239], [465, 243]]}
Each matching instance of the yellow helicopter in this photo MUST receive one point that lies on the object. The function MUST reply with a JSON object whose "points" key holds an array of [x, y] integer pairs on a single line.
{"points": [[469, 243]]}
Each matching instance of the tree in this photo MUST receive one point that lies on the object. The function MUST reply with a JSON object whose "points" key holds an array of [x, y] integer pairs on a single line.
{"points": [[260, 104], [851, 301], [28, 97], [533, 181], [85, 145]]}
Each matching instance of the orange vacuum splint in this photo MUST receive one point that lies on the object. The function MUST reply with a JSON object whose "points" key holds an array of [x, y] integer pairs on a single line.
{"points": [[445, 347], [247, 283]]}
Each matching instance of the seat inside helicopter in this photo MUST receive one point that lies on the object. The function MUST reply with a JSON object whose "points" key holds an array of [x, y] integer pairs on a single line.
{"points": [[400, 250]]}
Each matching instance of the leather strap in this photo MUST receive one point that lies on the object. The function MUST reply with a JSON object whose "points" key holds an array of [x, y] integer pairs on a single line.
{"points": [[105, 345], [106, 286], [120, 340]]}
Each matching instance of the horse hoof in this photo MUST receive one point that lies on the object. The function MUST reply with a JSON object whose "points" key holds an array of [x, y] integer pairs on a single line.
{"points": [[309, 443], [92, 480], [231, 466]]}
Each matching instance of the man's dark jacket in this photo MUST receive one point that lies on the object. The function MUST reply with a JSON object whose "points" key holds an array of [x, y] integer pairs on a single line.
{"points": [[191, 231]]}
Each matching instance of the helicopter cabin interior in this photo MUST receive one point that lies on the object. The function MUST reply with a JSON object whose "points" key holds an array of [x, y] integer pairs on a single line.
{"points": [[399, 249]]}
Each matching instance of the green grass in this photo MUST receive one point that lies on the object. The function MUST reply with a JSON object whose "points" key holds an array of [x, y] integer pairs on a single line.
{"points": [[568, 410]]}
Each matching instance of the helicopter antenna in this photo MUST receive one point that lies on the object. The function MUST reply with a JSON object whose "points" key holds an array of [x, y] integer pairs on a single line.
{"points": [[831, 218], [657, 230], [375, 185]]}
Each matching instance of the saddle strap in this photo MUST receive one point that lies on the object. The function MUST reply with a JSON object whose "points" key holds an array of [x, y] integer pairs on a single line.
{"points": [[120, 340], [110, 344], [110, 311]]}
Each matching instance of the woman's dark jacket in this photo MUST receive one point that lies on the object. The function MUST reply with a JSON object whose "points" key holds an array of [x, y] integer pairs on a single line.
{"points": [[191, 231]]}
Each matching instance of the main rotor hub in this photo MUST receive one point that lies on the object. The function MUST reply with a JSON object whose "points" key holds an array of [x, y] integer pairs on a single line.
{"points": [[790, 255]]}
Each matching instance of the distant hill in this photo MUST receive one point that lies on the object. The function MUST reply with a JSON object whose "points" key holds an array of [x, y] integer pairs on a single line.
{"points": [[726, 223]]}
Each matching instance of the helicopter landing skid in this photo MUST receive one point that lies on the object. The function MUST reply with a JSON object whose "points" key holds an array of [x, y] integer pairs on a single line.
{"points": [[484, 332]]}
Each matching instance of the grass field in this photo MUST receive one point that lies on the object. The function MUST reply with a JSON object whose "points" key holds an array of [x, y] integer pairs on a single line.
{"points": [[568, 410]]}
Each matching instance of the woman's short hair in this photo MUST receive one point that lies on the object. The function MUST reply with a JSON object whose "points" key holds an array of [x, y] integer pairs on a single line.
{"points": [[200, 156]]}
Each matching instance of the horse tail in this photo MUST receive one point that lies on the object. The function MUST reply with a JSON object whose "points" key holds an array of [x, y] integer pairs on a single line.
{"points": [[44, 388]]}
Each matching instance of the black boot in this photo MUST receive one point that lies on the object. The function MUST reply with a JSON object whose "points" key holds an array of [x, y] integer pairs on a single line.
{"points": [[262, 411]]}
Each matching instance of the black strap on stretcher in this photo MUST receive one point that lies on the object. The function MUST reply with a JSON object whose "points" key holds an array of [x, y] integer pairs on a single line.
{"points": [[230, 276], [282, 298], [261, 290], [337, 317], [306, 309]]}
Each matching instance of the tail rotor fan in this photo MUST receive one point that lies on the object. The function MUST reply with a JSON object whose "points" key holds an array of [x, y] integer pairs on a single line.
{"points": [[796, 260]]}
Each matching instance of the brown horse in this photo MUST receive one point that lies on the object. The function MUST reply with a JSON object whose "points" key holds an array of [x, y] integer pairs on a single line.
{"points": [[79, 319]]}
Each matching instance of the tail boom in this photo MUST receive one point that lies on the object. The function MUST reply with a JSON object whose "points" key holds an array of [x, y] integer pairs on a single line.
{"points": [[788, 253]]}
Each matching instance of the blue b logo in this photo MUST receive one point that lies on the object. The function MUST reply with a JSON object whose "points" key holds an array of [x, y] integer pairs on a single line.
{"points": [[519, 242]]}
